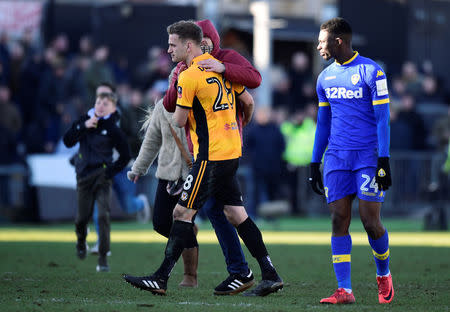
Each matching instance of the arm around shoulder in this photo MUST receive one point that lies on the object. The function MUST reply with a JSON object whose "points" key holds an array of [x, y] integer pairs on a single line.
{"points": [[238, 69]]}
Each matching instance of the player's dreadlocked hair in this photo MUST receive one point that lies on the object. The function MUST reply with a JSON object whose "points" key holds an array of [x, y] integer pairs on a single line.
{"points": [[186, 30], [338, 27]]}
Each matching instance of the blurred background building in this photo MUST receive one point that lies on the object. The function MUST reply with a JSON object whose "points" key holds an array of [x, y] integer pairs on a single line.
{"points": [[54, 52]]}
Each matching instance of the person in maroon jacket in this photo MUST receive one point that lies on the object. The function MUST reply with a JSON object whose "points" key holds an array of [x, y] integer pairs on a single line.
{"points": [[235, 68], [232, 65]]}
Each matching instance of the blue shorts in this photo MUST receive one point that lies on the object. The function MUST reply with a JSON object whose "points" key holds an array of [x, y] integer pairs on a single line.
{"points": [[351, 172]]}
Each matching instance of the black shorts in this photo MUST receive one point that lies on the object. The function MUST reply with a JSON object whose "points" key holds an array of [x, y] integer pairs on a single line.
{"points": [[211, 178]]}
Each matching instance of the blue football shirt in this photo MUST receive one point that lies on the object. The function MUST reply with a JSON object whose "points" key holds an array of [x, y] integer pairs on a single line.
{"points": [[351, 90]]}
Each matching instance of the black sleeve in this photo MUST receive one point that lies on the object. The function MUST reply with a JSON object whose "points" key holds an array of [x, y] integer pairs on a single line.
{"points": [[121, 145], [76, 132]]}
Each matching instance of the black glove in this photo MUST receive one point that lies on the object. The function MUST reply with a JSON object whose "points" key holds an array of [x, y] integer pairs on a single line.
{"points": [[316, 178], [383, 174]]}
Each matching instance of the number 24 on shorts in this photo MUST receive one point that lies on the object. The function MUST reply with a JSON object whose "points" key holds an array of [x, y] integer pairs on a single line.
{"points": [[372, 185]]}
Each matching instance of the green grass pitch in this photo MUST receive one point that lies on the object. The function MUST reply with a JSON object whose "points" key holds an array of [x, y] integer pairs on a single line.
{"points": [[47, 276]]}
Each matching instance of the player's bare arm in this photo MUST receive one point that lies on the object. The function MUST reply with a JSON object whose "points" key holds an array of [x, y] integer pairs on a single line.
{"points": [[248, 105], [180, 116]]}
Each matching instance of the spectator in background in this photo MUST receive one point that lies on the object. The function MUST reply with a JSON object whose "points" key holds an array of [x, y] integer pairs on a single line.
{"points": [[16, 63], [408, 130], [121, 70], [4, 79], [51, 101], [408, 133], [133, 116], [156, 67], [299, 135], [86, 46], [281, 93], [157, 91], [411, 78], [428, 71], [441, 139], [29, 81], [427, 68], [10, 125], [398, 88], [60, 45], [308, 94], [33, 74], [27, 42], [429, 92], [266, 163], [124, 94], [299, 75], [99, 70], [77, 89], [5, 59]]}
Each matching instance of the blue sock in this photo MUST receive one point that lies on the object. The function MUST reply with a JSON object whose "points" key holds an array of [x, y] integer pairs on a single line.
{"points": [[342, 248], [380, 250]]}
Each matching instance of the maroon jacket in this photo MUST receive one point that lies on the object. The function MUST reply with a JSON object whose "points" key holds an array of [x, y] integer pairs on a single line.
{"points": [[237, 69]]}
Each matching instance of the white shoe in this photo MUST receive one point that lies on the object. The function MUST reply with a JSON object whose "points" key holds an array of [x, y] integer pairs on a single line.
{"points": [[94, 250], [143, 215]]}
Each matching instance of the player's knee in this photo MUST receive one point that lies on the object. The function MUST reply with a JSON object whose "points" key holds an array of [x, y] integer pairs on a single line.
{"points": [[181, 213], [235, 214], [371, 225], [340, 223]]}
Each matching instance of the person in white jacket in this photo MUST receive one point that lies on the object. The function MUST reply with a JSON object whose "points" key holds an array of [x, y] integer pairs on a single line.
{"points": [[159, 141]]}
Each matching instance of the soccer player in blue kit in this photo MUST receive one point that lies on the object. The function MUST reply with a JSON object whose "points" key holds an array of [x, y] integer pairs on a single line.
{"points": [[353, 121]]}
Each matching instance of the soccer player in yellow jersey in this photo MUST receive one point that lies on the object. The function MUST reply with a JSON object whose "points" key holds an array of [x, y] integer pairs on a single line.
{"points": [[208, 102]]}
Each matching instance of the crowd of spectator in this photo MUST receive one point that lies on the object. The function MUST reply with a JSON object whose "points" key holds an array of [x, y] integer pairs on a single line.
{"points": [[43, 89]]}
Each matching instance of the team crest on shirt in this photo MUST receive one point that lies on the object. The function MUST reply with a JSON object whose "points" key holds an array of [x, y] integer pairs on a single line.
{"points": [[355, 78], [180, 91], [184, 195]]}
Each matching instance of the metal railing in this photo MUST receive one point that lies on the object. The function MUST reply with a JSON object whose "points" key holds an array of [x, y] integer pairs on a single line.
{"points": [[418, 184]]}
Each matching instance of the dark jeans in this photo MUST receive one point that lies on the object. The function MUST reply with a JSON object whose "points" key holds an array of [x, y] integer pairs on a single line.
{"points": [[227, 236], [90, 189], [126, 194], [225, 232]]}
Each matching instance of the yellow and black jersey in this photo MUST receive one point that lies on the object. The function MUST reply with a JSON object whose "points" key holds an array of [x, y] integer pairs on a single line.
{"points": [[212, 119]]}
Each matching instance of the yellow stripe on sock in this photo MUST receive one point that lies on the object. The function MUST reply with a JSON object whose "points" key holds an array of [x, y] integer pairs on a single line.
{"points": [[381, 256], [341, 258]]}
